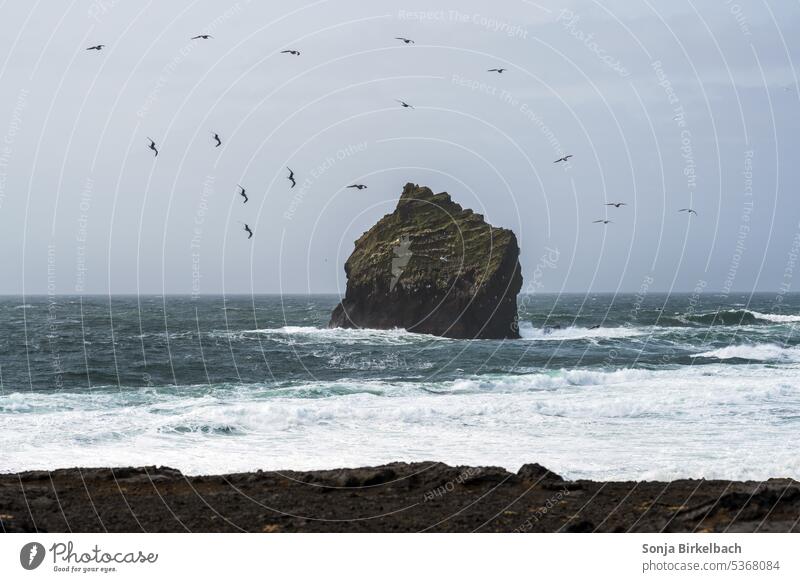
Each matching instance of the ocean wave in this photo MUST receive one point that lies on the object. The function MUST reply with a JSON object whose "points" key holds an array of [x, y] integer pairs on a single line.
{"points": [[634, 421], [310, 334], [757, 352], [202, 428], [737, 317], [162, 335], [505, 383], [391, 361], [162, 398], [775, 317], [528, 332]]}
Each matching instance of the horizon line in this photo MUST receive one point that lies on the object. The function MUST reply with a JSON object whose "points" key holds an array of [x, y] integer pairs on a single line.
{"points": [[310, 293]]}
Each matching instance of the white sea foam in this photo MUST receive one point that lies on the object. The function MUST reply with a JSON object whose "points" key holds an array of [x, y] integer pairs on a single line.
{"points": [[341, 336], [715, 421], [392, 361], [774, 317], [528, 332], [757, 352], [309, 334]]}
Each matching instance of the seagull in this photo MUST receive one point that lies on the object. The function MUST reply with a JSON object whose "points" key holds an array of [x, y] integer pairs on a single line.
{"points": [[405, 40], [295, 53], [359, 186], [404, 104], [219, 141], [290, 177], [243, 194], [564, 159], [153, 147], [616, 204], [603, 221], [496, 70], [203, 36], [689, 210], [97, 47], [247, 230]]}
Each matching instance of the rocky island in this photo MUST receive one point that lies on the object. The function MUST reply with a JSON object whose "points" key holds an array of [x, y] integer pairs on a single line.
{"points": [[433, 267]]}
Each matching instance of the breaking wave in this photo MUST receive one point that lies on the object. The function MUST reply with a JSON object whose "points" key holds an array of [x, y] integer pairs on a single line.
{"points": [[756, 352], [528, 332]]}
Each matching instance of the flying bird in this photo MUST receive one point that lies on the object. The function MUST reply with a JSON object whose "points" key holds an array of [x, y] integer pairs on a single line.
{"points": [[248, 231], [689, 210], [243, 194], [496, 70], [359, 186], [291, 52], [153, 147], [616, 204], [564, 159], [97, 47], [203, 36], [290, 177], [405, 40], [404, 104], [602, 221], [219, 141]]}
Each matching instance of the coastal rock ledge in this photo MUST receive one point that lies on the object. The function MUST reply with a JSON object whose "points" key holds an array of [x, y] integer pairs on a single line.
{"points": [[433, 267]]}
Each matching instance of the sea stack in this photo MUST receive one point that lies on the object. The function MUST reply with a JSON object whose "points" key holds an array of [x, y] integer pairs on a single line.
{"points": [[433, 267]]}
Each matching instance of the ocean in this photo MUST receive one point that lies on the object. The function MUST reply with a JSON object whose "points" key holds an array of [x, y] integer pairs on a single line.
{"points": [[689, 385]]}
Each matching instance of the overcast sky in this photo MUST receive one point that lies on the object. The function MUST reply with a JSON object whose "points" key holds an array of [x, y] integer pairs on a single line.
{"points": [[664, 105]]}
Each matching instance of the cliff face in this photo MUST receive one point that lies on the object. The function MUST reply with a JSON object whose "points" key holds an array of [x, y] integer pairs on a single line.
{"points": [[433, 267]]}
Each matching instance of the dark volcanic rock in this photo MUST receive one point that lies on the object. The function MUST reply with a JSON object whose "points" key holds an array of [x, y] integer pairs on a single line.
{"points": [[434, 267], [391, 498], [535, 472]]}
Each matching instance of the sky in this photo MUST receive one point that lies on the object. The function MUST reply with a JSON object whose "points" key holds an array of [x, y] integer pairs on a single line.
{"points": [[663, 106]]}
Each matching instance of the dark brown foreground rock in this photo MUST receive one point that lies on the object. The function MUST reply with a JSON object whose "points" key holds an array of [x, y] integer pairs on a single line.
{"points": [[398, 497], [433, 267]]}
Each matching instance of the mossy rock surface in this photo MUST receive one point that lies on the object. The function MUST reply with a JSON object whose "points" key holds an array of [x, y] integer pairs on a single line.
{"points": [[434, 267]]}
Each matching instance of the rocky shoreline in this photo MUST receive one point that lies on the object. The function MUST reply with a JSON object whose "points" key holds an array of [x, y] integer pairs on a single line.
{"points": [[397, 497]]}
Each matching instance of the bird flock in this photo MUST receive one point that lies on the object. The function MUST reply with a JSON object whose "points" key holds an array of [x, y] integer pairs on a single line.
{"points": [[243, 192]]}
